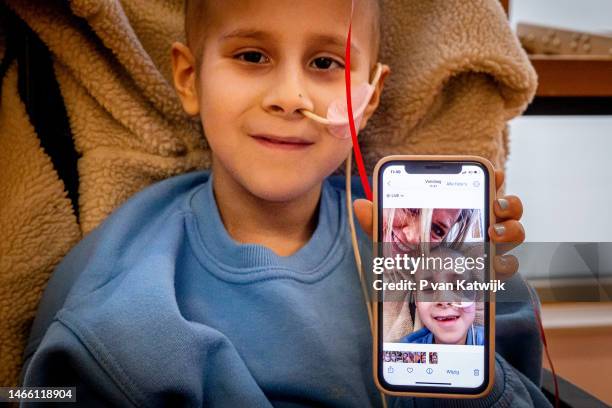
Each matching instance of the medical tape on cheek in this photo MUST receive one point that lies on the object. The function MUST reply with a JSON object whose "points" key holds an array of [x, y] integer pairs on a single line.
{"points": [[338, 112], [337, 119]]}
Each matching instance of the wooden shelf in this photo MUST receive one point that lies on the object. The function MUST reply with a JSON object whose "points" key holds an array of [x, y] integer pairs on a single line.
{"points": [[573, 76]]}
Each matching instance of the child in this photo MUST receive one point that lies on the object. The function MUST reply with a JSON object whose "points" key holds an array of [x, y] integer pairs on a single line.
{"points": [[446, 323], [447, 317], [236, 287]]}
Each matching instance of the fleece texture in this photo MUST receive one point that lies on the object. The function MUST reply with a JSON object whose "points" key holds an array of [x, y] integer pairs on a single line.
{"points": [[37, 226], [458, 75]]}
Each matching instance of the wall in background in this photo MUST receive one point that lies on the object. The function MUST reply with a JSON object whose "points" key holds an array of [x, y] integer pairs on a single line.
{"points": [[561, 168]]}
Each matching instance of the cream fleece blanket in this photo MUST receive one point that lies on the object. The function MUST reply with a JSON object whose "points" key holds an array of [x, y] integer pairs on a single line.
{"points": [[458, 75]]}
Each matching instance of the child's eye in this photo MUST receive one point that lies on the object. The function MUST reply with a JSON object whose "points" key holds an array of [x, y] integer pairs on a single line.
{"points": [[252, 57], [439, 232], [326, 63]]}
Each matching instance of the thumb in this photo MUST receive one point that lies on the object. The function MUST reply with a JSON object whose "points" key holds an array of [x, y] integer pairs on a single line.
{"points": [[363, 213]]}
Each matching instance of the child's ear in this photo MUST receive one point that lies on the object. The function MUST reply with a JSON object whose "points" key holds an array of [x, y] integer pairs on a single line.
{"points": [[375, 100], [184, 76]]}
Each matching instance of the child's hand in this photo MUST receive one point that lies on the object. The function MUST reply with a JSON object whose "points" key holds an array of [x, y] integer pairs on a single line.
{"points": [[508, 231]]}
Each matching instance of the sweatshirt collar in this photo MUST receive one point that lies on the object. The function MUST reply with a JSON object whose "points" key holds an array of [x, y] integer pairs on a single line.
{"points": [[323, 251]]}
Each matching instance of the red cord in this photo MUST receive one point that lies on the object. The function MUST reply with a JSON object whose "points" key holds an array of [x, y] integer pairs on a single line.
{"points": [[349, 105]]}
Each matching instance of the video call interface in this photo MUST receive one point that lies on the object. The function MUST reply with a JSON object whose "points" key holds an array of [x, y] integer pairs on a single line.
{"points": [[434, 338]]}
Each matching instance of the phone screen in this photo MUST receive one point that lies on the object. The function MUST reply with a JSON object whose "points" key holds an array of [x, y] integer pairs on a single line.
{"points": [[433, 336]]}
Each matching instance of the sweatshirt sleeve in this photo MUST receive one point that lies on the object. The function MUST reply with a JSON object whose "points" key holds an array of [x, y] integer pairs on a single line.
{"points": [[63, 361], [517, 334]]}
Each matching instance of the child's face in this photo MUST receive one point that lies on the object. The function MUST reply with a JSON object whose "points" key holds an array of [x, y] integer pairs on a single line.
{"points": [[441, 313], [449, 324], [263, 61]]}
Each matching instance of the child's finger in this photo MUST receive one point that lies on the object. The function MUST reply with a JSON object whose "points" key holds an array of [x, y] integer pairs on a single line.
{"points": [[499, 179], [363, 212], [507, 231], [507, 235], [505, 266], [508, 207]]}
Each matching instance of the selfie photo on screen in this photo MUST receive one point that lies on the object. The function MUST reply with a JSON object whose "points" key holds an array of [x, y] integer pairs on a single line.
{"points": [[436, 316]]}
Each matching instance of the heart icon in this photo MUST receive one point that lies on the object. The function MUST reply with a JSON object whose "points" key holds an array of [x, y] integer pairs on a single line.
{"points": [[409, 370]]}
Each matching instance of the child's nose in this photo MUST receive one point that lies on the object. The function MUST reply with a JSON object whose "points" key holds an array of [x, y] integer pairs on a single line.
{"points": [[411, 233], [287, 95]]}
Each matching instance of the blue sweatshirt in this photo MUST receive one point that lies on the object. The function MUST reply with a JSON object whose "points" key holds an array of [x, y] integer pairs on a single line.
{"points": [[160, 307]]}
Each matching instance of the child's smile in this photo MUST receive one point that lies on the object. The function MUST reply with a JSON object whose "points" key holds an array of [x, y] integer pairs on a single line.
{"points": [[449, 324], [289, 143], [446, 318]]}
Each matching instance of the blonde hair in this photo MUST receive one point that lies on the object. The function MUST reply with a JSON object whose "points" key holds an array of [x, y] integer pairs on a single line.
{"points": [[459, 232]]}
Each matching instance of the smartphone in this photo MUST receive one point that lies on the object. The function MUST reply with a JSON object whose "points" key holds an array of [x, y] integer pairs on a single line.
{"points": [[434, 337]]}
